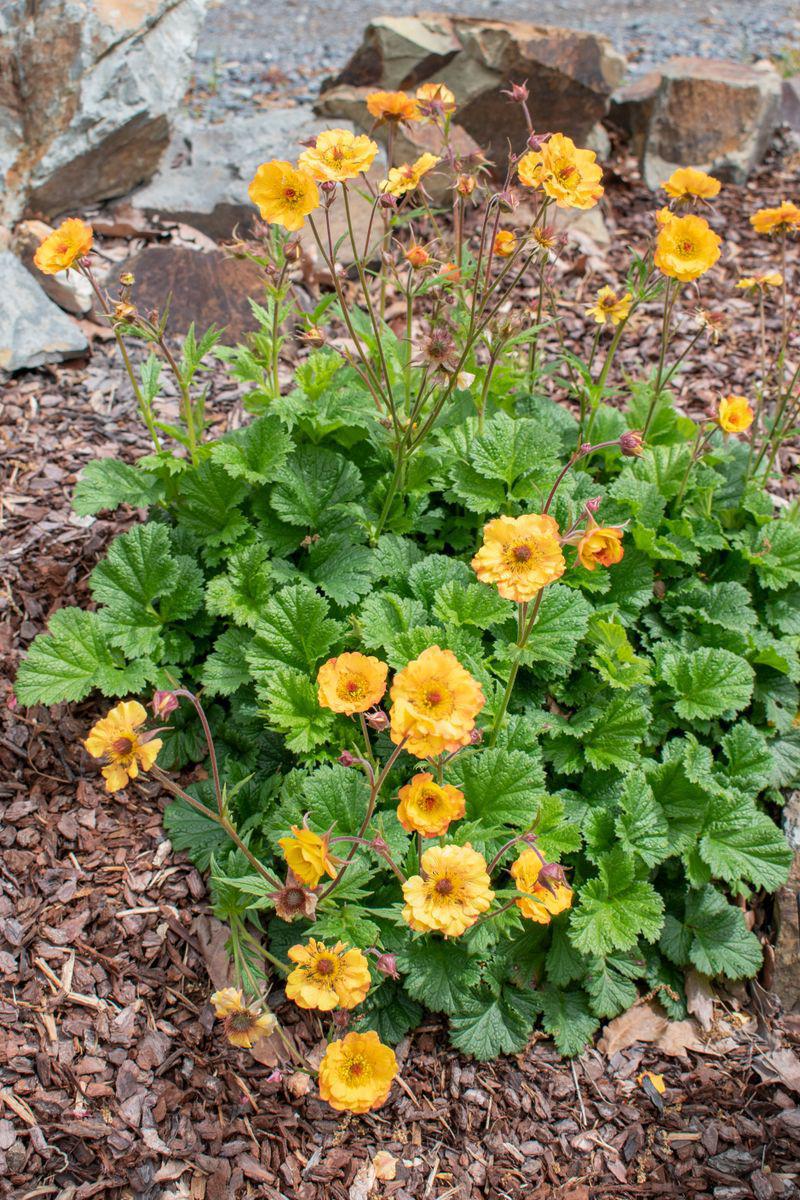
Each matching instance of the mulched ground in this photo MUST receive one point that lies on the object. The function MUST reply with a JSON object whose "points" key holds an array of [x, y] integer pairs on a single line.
{"points": [[112, 1081]]}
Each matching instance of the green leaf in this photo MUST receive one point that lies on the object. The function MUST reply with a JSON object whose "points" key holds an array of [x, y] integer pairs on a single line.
{"points": [[226, 669], [390, 1012], [341, 569], [512, 449], [394, 558], [610, 984], [774, 551], [385, 615], [681, 799], [107, 483], [725, 604], [242, 592], [785, 752], [641, 826], [749, 764], [293, 630], [255, 453], [501, 787], [614, 739], [428, 576], [293, 709], [138, 569], [707, 682], [437, 973], [740, 842], [713, 937], [487, 1025], [560, 625], [615, 909], [783, 611], [209, 502], [476, 492], [315, 488], [346, 923], [474, 604], [336, 797], [73, 658], [566, 1017], [614, 658], [563, 964], [190, 830]]}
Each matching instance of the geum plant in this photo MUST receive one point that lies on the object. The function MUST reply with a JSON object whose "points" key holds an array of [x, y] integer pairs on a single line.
{"points": [[494, 693]]}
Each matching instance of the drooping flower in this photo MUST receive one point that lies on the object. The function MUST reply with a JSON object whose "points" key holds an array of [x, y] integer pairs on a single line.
{"points": [[392, 106], [631, 442], [435, 100], [538, 902], [520, 555], [686, 247], [63, 247], [427, 807], [600, 546], [283, 194], [417, 256], [434, 704], [688, 183], [783, 219], [505, 243], [567, 174], [338, 154], [406, 178], [450, 894], [293, 900], [734, 414], [308, 855], [116, 738], [608, 306], [357, 1072], [664, 216], [761, 282], [327, 978], [351, 682], [243, 1025]]}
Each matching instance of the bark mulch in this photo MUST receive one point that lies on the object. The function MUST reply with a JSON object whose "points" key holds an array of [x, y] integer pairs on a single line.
{"points": [[113, 1081]]}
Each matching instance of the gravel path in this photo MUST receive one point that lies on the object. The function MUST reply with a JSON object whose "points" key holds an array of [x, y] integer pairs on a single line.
{"points": [[262, 49]]}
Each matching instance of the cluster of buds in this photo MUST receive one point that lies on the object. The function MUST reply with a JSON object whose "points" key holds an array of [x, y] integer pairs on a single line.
{"points": [[124, 308]]}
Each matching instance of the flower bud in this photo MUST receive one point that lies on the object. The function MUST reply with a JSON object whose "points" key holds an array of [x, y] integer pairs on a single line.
{"points": [[630, 443], [127, 279], [417, 256], [465, 185], [537, 140], [377, 720], [476, 736], [593, 504], [584, 447], [387, 965], [163, 703], [379, 845], [551, 875], [347, 759], [507, 200], [328, 189], [291, 250], [313, 336], [388, 201], [341, 1018]]}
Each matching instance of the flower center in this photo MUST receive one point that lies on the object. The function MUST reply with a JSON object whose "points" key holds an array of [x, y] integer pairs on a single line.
{"points": [[325, 966], [293, 898], [429, 800], [354, 687], [355, 1069], [522, 554], [443, 887], [686, 248], [242, 1021], [122, 747]]}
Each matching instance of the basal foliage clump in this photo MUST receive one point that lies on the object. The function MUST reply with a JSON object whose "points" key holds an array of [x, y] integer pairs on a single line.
{"points": [[496, 693]]}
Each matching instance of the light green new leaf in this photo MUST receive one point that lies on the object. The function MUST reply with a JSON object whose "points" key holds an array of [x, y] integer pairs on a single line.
{"points": [[255, 453], [293, 709], [243, 590], [614, 658], [474, 604], [107, 483]]}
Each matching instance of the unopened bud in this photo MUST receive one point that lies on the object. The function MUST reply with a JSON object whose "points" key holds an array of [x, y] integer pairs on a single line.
{"points": [[507, 200], [163, 703], [313, 336], [551, 876], [389, 201], [341, 1018], [347, 759], [387, 965], [593, 504], [537, 140], [584, 447], [379, 845], [465, 185], [377, 720], [476, 736], [291, 250], [328, 188], [518, 93], [417, 256], [630, 443]]}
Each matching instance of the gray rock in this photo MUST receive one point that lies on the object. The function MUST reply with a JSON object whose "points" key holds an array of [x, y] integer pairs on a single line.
{"points": [[719, 116], [790, 102], [85, 113], [33, 331], [204, 176]]}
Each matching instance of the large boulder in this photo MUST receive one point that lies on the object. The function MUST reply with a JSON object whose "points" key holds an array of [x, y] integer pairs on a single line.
{"points": [[570, 74], [700, 112], [87, 92], [33, 331]]}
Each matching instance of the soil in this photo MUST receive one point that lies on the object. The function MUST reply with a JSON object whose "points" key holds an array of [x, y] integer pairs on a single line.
{"points": [[113, 1080]]}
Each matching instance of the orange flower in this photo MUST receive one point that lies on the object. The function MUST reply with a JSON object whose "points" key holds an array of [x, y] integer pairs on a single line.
{"points": [[735, 414], [338, 154], [392, 106], [435, 100], [351, 683], [327, 979], [427, 807], [686, 247], [243, 1026], [63, 247], [520, 555], [308, 855], [783, 219], [356, 1073], [567, 174], [283, 195], [417, 256], [601, 545], [406, 178], [434, 704], [116, 738], [537, 902], [505, 243], [688, 183], [608, 306], [450, 894]]}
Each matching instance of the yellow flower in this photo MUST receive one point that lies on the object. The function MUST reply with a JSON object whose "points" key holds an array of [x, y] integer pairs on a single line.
{"points": [[283, 194], [783, 219], [435, 99], [734, 414], [538, 903], [116, 739], [601, 545], [664, 216], [406, 178], [520, 554], [656, 1080], [243, 1026], [688, 183], [327, 979], [308, 855], [434, 704], [505, 243], [761, 281], [64, 246], [338, 154], [427, 807], [356, 1073], [392, 106], [608, 306], [686, 247], [451, 893], [568, 175], [351, 683]]}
